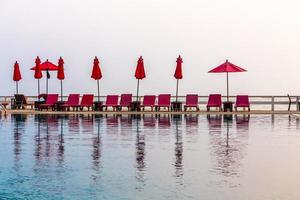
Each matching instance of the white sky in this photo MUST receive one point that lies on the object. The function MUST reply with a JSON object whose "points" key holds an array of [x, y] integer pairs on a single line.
{"points": [[262, 36]]}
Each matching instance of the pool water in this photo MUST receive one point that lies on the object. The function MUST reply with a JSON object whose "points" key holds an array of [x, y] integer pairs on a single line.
{"points": [[149, 157]]}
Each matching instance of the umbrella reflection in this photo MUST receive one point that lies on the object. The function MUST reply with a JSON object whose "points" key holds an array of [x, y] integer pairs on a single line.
{"points": [[38, 146], [227, 148], [178, 147], [19, 122], [96, 154], [140, 153], [61, 145]]}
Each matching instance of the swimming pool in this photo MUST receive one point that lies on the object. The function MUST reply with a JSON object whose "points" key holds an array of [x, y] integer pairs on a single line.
{"points": [[149, 157]]}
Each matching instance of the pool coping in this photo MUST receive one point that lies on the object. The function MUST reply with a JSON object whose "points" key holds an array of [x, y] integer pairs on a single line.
{"points": [[9, 111]]}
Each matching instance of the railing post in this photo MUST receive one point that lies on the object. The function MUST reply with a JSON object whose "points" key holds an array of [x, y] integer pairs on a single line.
{"points": [[273, 102]]}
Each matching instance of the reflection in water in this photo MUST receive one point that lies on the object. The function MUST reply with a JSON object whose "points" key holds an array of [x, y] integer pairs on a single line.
{"points": [[191, 120], [228, 148], [19, 129], [61, 145], [140, 154], [178, 147], [96, 154], [149, 121], [71, 149], [242, 122], [163, 121]]}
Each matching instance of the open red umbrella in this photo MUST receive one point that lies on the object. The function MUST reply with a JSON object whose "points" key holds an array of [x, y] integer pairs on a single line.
{"points": [[37, 72], [17, 75], [227, 67], [61, 75], [178, 73], [47, 66], [97, 74], [139, 74]]}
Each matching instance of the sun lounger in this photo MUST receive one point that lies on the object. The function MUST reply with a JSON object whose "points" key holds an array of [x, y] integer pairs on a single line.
{"points": [[191, 102], [148, 101], [21, 102], [164, 100], [125, 101], [214, 100], [50, 102], [242, 101], [111, 101], [73, 101], [86, 101]]}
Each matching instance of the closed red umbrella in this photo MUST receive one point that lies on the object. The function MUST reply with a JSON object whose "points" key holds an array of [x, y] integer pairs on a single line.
{"points": [[17, 75], [37, 72], [97, 74], [139, 74], [61, 75], [178, 73], [227, 67]]}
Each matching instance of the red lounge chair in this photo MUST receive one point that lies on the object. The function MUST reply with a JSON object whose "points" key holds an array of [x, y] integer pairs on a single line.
{"points": [[214, 100], [86, 101], [111, 101], [148, 101], [242, 101], [50, 102], [164, 100], [125, 101], [191, 102], [73, 101]]}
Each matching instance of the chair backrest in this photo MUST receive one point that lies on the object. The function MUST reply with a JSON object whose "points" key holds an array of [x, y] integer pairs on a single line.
{"points": [[242, 99], [73, 99], [149, 100], [215, 99], [20, 99], [164, 100], [112, 100], [51, 99], [191, 99], [87, 99], [126, 99]]}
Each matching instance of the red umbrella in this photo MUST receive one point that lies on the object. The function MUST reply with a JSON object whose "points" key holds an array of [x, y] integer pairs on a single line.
{"points": [[47, 66], [61, 75], [139, 74], [17, 75], [37, 72], [227, 67], [178, 73], [97, 74]]}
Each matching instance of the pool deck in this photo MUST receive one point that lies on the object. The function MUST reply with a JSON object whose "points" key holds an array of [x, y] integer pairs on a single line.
{"points": [[27, 111]]}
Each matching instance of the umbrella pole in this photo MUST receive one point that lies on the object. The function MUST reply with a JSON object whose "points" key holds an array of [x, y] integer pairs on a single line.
{"points": [[46, 85], [177, 90], [227, 87], [137, 90], [61, 90], [98, 91], [39, 87], [17, 87]]}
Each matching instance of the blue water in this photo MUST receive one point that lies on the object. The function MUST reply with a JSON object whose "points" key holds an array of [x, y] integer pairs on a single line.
{"points": [[149, 157]]}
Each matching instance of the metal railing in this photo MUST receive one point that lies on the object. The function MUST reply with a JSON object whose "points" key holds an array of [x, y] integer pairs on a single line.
{"points": [[267, 102]]}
